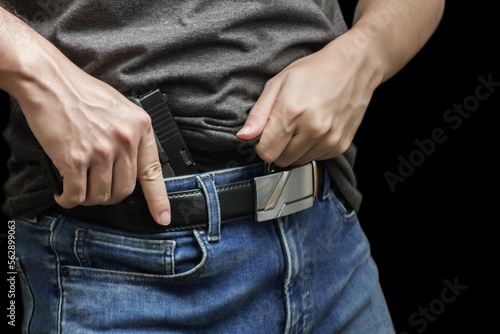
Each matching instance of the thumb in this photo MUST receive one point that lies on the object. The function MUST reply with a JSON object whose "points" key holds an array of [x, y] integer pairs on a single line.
{"points": [[259, 114]]}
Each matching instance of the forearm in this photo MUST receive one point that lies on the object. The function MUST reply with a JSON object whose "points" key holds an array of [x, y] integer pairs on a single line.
{"points": [[100, 142], [30, 64], [394, 30], [14, 35]]}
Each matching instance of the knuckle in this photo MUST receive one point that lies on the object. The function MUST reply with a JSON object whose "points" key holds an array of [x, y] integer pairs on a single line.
{"points": [[271, 83], [333, 141], [76, 159], [293, 111], [139, 123], [283, 127], [337, 144], [104, 197], [123, 193], [128, 190], [318, 129], [267, 155], [282, 163], [104, 151], [69, 201], [96, 199], [145, 121], [151, 172], [344, 146], [125, 137]]}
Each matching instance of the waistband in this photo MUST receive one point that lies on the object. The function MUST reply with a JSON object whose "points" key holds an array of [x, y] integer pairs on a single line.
{"points": [[199, 199]]}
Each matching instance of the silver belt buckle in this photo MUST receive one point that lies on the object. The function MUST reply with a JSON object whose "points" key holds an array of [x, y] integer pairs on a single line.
{"points": [[286, 192]]}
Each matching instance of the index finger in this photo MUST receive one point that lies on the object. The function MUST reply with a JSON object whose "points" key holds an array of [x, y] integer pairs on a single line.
{"points": [[150, 177]]}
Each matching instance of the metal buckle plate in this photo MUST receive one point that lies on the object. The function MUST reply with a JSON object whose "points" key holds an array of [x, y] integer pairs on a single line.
{"points": [[285, 192]]}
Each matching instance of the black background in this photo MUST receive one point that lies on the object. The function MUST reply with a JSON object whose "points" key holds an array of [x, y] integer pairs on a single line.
{"points": [[440, 223]]}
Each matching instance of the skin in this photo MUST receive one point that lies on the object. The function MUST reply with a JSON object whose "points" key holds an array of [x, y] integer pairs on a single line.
{"points": [[102, 144], [312, 109]]}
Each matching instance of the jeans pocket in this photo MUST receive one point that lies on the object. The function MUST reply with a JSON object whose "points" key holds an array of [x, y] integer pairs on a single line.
{"points": [[167, 254], [349, 214], [27, 294]]}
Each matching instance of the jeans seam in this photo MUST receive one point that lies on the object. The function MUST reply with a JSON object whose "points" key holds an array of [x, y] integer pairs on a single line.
{"points": [[305, 284], [79, 248], [28, 313], [58, 273], [288, 273], [169, 259]]}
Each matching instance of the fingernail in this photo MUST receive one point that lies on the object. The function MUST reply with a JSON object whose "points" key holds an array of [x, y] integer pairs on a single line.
{"points": [[164, 218], [244, 130]]}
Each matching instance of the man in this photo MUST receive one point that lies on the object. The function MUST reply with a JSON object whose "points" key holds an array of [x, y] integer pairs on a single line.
{"points": [[287, 71]]}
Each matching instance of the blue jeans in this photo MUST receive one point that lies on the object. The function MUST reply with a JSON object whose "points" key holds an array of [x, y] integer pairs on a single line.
{"points": [[309, 272]]}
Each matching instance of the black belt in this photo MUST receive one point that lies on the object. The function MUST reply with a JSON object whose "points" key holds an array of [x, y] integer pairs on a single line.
{"points": [[189, 208]]}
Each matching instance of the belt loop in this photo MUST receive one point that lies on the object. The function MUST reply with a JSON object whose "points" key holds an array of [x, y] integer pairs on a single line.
{"points": [[268, 167], [207, 184], [325, 187]]}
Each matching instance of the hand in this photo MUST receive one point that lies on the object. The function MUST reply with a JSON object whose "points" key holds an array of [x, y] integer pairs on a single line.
{"points": [[100, 142], [312, 109]]}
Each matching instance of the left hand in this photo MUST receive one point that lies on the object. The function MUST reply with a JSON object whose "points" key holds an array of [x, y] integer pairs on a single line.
{"points": [[312, 109]]}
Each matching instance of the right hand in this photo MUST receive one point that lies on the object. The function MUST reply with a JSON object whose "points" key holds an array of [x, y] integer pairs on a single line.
{"points": [[100, 142]]}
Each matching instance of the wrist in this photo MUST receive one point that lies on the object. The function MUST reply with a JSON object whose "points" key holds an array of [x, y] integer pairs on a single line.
{"points": [[377, 44], [363, 56]]}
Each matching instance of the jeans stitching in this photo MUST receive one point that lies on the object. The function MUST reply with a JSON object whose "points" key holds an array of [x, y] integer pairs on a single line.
{"points": [[28, 314], [132, 278], [79, 248], [58, 274], [168, 258], [288, 273], [305, 281], [206, 183]]}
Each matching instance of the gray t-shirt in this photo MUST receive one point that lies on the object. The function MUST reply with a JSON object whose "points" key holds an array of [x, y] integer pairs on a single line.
{"points": [[212, 59]]}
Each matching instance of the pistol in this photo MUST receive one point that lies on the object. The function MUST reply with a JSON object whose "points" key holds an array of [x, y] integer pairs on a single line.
{"points": [[173, 153]]}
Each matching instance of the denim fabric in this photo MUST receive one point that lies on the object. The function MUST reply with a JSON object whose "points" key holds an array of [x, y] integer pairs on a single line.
{"points": [[310, 272]]}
